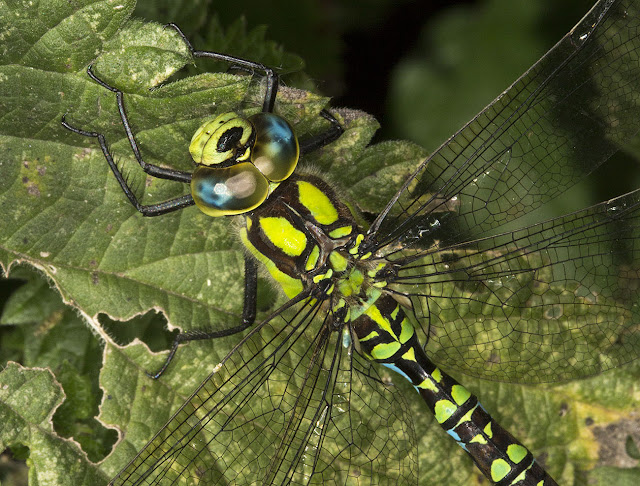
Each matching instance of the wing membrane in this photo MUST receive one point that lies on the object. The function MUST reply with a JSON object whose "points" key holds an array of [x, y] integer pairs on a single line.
{"points": [[565, 116], [289, 405], [552, 301]]}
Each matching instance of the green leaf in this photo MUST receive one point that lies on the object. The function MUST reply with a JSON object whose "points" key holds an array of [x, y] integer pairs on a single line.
{"points": [[50, 334], [189, 15], [58, 36], [64, 214], [28, 399]]}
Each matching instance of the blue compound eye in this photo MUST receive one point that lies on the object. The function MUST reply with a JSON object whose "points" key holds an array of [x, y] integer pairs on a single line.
{"points": [[276, 149], [229, 190]]}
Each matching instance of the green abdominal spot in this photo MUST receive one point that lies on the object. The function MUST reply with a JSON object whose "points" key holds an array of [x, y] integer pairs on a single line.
{"points": [[499, 469], [460, 394], [385, 350], [443, 410], [516, 453]]}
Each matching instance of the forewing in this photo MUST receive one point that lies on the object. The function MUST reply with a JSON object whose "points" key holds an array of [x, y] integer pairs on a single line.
{"points": [[565, 116]]}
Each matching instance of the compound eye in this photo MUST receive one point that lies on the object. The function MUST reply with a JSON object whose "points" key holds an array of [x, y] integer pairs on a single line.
{"points": [[276, 148], [228, 190], [226, 138]]}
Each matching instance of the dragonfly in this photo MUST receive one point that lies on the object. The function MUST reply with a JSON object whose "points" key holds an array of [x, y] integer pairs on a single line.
{"points": [[428, 284]]}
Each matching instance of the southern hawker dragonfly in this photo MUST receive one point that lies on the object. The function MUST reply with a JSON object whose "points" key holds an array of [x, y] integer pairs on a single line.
{"points": [[297, 399]]}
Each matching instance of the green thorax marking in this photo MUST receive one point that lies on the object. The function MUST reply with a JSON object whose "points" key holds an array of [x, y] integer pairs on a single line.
{"points": [[283, 235], [320, 206], [303, 233]]}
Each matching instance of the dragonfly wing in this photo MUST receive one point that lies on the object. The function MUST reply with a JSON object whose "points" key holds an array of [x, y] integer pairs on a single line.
{"points": [[286, 406], [553, 301], [558, 122]]}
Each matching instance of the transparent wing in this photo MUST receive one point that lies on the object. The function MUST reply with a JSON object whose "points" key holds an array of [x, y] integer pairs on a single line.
{"points": [[289, 405], [549, 302], [558, 122]]}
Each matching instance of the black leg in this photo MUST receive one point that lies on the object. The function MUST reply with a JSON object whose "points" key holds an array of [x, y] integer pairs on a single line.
{"points": [[248, 317], [150, 210], [325, 138], [153, 170], [272, 77], [250, 291], [306, 146]]}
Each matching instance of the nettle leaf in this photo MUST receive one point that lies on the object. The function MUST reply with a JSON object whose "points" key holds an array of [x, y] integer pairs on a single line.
{"points": [[64, 214], [28, 399], [58, 36]]}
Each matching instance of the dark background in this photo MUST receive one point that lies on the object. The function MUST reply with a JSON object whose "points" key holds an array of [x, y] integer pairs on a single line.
{"points": [[352, 47], [422, 68]]}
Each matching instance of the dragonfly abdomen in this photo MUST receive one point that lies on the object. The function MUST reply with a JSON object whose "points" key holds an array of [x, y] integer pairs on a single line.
{"points": [[386, 336], [304, 233]]}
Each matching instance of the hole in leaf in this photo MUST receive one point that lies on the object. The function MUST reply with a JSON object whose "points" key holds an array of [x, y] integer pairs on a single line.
{"points": [[13, 466], [76, 415], [150, 328], [632, 448], [45, 333], [7, 287]]}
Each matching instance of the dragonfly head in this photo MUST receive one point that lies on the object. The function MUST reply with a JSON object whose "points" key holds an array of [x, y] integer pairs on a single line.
{"points": [[239, 160]]}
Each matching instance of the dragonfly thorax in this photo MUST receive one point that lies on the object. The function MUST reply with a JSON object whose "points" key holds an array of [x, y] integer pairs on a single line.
{"points": [[304, 235]]}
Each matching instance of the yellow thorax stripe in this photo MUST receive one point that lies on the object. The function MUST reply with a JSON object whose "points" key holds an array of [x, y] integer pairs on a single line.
{"points": [[291, 286], [317, 202], [284, 235], [313, 258], [341, 231]]}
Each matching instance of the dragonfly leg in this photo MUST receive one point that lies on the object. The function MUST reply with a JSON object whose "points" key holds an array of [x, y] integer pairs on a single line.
{"points": [[151, 169], [244, 64], [306, 146], [248, 318], [325, 138], [147, 210]]}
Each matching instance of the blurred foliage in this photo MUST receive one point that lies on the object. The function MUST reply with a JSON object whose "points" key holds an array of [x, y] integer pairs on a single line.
{"points": [[310, 28], [465, 57]]}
